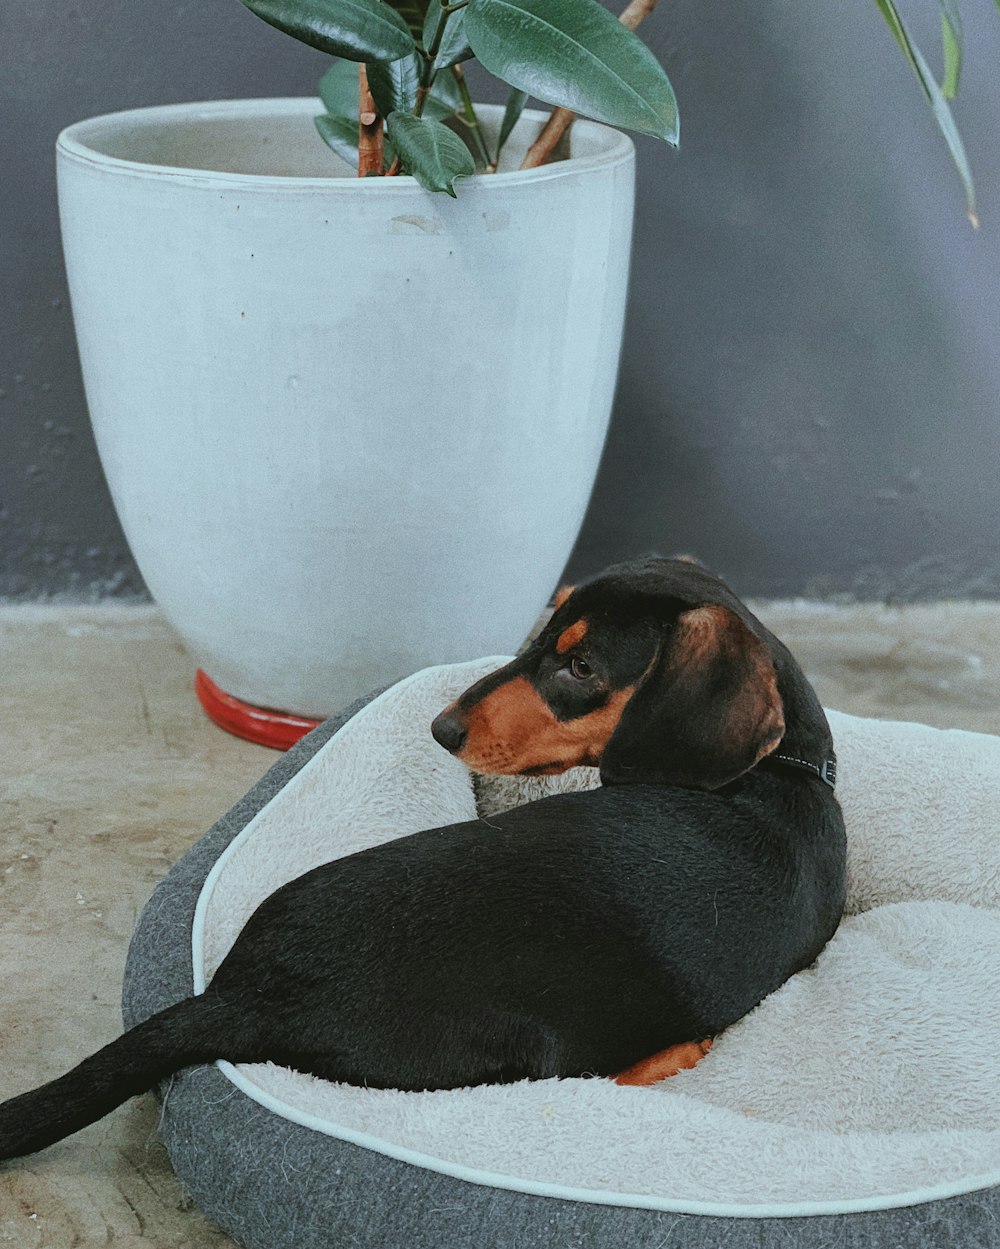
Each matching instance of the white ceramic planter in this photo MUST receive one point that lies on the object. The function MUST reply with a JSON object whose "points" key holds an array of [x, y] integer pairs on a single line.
{"points": [[350, 427]]}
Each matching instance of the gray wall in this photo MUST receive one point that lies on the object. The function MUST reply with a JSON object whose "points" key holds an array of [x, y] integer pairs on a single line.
{"points": [[810, 379]]}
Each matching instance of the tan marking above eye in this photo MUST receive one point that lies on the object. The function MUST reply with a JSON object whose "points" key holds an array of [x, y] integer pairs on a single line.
{"points": [[562, 595], [572, 636]]}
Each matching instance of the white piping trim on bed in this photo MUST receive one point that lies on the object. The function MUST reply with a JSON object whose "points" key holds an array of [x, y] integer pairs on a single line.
{"points": [[602, 1197], [473, 1175]]}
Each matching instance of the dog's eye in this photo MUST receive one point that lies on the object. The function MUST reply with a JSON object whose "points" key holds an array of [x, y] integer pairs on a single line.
{"points": [[579, 668]]}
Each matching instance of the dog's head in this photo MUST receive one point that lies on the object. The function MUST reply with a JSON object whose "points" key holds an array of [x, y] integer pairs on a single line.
{"points": [[652, 671]]}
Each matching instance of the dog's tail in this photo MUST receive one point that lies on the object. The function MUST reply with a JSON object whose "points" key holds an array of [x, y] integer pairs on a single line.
{"points": [[196, 1030]]}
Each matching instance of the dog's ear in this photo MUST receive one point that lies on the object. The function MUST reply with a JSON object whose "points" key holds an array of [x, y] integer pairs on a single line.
{"points": [[707, 710]]}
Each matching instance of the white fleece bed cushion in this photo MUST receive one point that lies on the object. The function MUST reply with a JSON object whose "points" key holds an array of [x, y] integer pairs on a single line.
{"points": [[868, 1080]]}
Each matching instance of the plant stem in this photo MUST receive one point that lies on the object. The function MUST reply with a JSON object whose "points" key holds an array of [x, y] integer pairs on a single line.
{"points": [[371, 136], [435, 44], [635, 12], [428, 73], [540, 152], [427, 78], [472, 120]]}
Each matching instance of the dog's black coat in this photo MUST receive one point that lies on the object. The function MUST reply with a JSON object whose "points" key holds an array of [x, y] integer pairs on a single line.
{"points": [[578, 934]]}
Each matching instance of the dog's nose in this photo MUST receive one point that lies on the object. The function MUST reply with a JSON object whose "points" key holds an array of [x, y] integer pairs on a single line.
{"points": [[448, 731]]}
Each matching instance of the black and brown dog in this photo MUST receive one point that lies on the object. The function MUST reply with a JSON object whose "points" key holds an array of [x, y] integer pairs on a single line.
{"points": [[581, 934]]}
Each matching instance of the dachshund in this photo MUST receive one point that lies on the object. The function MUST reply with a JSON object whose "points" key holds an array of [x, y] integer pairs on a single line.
{"points": [[604, 933]]}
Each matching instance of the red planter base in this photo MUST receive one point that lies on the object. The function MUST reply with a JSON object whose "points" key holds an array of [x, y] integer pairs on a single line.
{"points": [[277, 729]]}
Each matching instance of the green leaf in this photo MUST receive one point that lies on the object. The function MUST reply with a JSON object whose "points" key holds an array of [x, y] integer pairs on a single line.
{"points": [[454, 46], [341, 135], [935, 96], [338, 89], [437, 109], [432, 153], [951, 43], [446, 95], [511, 115], [576, 54], [472, 137], [394, 84], [394, 89], [359, 30]]}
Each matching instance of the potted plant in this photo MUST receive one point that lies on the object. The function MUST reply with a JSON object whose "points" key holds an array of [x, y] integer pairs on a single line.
{"points": [[566, 52], [351, 426]]}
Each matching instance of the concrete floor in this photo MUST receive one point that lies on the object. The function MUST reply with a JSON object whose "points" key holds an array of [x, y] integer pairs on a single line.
{"points": [[109, 772]]}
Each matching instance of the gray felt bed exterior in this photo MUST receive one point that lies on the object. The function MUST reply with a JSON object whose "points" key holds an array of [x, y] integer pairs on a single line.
{"points": [[272, 1183]]}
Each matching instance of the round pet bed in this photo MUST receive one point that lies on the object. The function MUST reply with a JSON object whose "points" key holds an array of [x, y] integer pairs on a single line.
{"points": [[859, 1105]]}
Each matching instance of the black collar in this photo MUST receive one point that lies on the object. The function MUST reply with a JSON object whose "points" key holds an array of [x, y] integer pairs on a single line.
{"points": [[825, 771]]}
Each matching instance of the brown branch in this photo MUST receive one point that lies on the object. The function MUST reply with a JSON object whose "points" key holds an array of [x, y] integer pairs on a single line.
{"points": [[371, 137], [636, 12], [541, 151]]}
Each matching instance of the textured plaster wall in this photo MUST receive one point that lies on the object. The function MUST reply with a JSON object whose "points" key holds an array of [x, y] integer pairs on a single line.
{"points": [[810, 379], [810, 390]]}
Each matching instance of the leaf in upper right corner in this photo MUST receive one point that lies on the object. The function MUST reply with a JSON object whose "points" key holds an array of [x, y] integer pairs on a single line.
{"points": [[432, 153], [936, 99], [952, 40], [575, 54]]}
